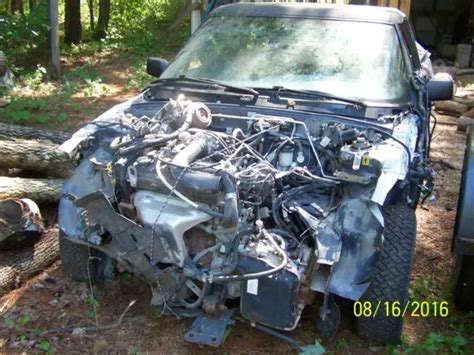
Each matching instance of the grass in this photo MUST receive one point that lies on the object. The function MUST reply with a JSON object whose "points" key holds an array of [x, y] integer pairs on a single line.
{"points": [[435, 343], [95, 76], [34, 99]]}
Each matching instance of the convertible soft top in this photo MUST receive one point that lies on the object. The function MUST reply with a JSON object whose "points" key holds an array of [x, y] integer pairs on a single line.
{"points": [[337, 12]]}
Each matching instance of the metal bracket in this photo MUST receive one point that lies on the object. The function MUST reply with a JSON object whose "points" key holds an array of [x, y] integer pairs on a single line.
{"points": [[210, 331]]}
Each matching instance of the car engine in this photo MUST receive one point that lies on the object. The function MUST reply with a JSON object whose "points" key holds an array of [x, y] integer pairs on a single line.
{"points": [[219, 211]]}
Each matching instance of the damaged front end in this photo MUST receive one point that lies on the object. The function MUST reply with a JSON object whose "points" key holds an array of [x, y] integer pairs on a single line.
{"points": [[219, 211]]}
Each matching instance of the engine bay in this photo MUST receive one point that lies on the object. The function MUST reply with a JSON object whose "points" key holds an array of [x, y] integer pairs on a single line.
{"points": [[253, 212]]}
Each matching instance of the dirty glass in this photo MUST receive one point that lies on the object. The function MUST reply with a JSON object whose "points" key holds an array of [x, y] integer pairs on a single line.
{"points": [[350, 59]]}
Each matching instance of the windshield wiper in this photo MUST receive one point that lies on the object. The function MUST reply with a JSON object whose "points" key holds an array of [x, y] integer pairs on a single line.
{"points": [[208, 84], [278, 90]]}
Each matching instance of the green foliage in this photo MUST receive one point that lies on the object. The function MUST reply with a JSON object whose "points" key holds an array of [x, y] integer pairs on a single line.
{"points": [[341, 344], [45, 346], [17, 323], [9, 323], [435, 343], [313, 349], [426, 289], [138, 23], [24, 320], [139, 78], [23, 37], [136, 30], [22, 338], [91, 305], [23, 109]]}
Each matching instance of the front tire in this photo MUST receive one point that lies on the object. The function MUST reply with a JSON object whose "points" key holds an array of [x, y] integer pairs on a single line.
{"points": [[464, 285], [391, 279], [80, 262]]}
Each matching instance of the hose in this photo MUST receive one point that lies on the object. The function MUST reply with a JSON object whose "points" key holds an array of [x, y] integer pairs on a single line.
{"points": [[285, 195], [203, 208], [235, 256], [256, 275], [198, 302], [231, 207], [194, 180], [200, 255], [435, 122], [156, 141]]}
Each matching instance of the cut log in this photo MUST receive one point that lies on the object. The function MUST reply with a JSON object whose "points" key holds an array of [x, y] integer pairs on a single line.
{"points": [[451, 106], [466, 100], [40, 156], [17, 266], [39, 190], [464, 122], [21, 223], [8, 131], [464, 71]]}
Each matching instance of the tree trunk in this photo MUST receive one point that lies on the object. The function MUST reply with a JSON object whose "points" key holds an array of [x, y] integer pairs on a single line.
{"points": [[31, 4], [17, 7], [55, 68], [72, 24], [33, 155], [91, 15], [184, 13], [451, 106], [8, 131], [39, 190], [103, 21], [465, 122], [21, 223], [18, 266]]}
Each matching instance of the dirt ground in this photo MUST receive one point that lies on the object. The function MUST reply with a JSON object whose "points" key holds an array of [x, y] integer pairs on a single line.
{"points": [[51, 300]]}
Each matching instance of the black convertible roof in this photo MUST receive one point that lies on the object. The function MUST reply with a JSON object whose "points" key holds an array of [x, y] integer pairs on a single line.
{"points": [[297, 10]]}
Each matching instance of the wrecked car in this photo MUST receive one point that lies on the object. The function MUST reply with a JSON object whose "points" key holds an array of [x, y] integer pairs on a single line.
{"points": [[280, 155]]}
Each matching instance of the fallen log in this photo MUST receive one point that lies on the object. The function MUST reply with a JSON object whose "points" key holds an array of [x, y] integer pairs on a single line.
{"points": [[17, 266], [464, 71], [39, 190], [21, 223], [40, 156], [451, 106], [8, 131], [464, 122]]}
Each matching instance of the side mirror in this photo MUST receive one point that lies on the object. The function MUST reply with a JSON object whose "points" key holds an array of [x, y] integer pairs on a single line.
{"points": [[440, 89], [156, 66]]}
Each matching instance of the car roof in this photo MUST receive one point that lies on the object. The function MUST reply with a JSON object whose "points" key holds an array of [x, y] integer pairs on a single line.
{"points": [[360, 13]]}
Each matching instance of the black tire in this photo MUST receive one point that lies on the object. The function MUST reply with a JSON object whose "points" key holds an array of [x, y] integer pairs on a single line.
{"points": [[76, 258], [391, 278], [464, 286]]}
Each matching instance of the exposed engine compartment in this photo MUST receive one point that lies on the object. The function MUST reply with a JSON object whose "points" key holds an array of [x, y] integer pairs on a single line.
{"points": [[210, 208]]}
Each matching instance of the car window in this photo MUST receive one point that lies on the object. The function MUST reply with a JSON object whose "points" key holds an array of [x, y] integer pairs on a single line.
{"points": [[350, 59]]}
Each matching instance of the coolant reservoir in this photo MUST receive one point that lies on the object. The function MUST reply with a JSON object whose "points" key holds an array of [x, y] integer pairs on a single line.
{"points": [[285, 158]]}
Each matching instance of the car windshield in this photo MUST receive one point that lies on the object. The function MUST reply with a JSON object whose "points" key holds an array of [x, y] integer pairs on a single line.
{"points": [[349, 59]]}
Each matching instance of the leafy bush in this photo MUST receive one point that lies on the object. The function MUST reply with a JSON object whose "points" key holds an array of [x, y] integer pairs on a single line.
{"points": [[139, 23], [24, 37]]}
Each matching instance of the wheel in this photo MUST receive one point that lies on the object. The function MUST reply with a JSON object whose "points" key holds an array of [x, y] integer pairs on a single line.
{"points": [[464, 286], [80, 262], [391, 278]]}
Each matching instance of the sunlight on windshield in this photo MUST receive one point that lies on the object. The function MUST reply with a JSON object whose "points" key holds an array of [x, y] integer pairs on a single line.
{"points": [[350, 59]]}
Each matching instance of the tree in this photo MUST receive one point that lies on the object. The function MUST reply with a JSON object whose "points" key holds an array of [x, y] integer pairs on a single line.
{"points": [[17, 6], [31, 4], [55, 71], [181, 16], [90, 3], [103, 21], [72, 25]]}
